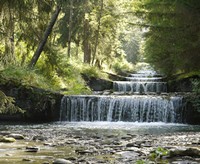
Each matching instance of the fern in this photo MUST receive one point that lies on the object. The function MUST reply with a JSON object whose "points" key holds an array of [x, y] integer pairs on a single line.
{"points": [[7, 105]]}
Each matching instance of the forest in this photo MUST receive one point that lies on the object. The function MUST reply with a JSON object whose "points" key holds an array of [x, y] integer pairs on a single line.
{"points": [[99, 81], [50, 43]]}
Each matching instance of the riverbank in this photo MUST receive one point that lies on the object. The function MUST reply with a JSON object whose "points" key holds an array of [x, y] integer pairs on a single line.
{"points": [[69, 143]]}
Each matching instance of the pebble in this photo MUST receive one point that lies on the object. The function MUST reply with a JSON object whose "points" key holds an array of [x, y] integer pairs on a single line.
{"points": [[62, 161], [32, 149]]}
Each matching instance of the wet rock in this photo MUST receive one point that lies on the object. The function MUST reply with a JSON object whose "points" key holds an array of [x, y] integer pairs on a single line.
{"points": [[128, 154], [27, 160], [82, 152], [4, 133], [45, 162], [49, 144], [135, 144], [62, 161], [71, 158], [40, 138], [184, 151], [184, 162], [16, 136], [126, 137], [32, 149], [7, 139], [132, 149], [82, 160]]}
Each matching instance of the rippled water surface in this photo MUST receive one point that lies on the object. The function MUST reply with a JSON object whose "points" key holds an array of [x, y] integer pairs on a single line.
{"points": [[138, 128]]}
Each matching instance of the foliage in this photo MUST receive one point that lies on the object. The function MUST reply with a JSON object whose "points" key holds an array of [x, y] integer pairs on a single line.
{"points": [[155, 156], [24, 76], [122, 66], [98, 35], [196, 86], [91, 72], [7, 105], [158, 153], [195, 99], [172, 34]]}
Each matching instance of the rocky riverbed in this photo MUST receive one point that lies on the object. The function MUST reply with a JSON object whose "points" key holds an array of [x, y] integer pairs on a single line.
{"points": [[38, 145]]}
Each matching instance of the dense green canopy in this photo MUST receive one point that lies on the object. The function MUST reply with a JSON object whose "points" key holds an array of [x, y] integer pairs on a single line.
{"points": [[102, 33], [173, 34]]}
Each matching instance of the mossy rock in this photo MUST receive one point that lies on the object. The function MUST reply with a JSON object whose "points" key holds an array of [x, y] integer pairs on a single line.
{"points": [[7, 139]]}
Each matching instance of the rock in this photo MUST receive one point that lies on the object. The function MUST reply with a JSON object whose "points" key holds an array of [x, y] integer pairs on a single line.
{"points": [[45, 162], [27, 160], [32, 149], [126, 137], [128, 154], [81, 152], [16, 136], [191, 151], [71, 158], [49, 144], [7, 139], [62, 161], [135, 144], [40, 138]]}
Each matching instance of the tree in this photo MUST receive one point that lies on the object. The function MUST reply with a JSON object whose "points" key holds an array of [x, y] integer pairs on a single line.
{"points": [[45, 37], [97, 31], [171, 42]]}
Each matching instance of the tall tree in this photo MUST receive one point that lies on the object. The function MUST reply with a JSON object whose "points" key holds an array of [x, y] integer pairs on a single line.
{"points": [[70, 27], [45, 37], [98, 30], [7, 13], [171, 41]]}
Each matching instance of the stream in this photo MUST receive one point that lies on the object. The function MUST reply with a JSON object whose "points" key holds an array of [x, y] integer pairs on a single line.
{"points": [[139, 123], [97, 142]]}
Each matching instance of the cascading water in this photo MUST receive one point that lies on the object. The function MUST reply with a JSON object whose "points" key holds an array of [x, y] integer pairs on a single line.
{"points": [[131, 108], [141, 87], [122, 108]]}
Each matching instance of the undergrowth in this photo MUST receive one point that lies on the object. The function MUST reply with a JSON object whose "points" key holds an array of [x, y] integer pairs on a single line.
{"points": [[7, 105], [196, 97], [68, 82]]}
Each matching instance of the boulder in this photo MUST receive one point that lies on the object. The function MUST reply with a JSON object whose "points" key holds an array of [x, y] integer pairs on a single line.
{"points": [[185, 151]]}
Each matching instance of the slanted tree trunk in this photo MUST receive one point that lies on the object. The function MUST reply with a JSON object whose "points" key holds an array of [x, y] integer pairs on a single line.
{"points": [[70, 29], [45, 37], [97, 33]]}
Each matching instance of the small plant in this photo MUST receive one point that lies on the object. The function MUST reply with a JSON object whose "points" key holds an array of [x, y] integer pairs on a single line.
{"points": [[158, 154]]}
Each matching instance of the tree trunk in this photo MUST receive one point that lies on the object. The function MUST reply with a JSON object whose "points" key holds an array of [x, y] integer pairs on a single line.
{"points": [[70, 29], [45, 37], [86, 45], [97, 32]]}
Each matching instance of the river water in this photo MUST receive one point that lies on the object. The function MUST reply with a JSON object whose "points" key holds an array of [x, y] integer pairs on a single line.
{"points": [[105, 127]]}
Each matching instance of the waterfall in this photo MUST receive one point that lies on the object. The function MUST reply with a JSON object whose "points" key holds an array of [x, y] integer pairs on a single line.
{"points": [[141, 87], [122, 108], [145, 107]]}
